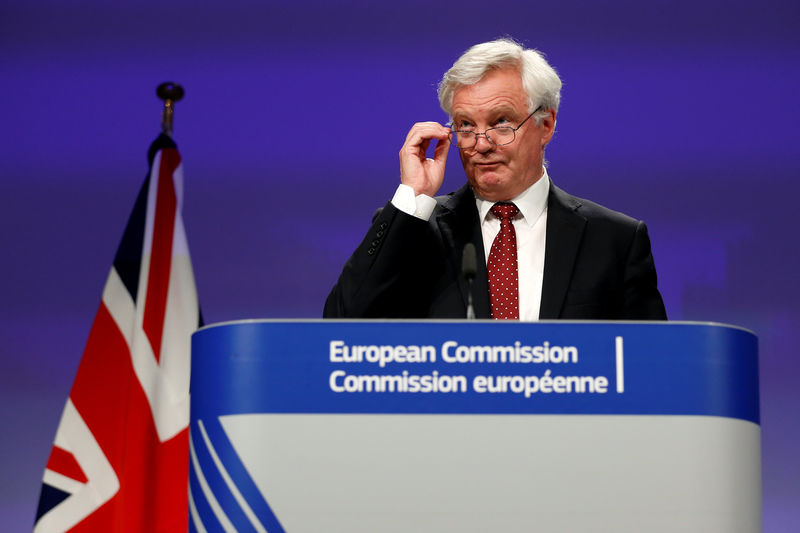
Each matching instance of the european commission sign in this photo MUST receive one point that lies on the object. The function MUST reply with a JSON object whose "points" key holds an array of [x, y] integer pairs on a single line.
{"points": [[474, 426]]}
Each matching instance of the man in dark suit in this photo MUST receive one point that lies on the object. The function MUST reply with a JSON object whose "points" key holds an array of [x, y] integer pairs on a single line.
{"points": [[542, 253]]}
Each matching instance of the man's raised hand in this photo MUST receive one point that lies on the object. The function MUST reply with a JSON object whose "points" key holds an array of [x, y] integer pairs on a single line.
{"points": [[425, 175]]}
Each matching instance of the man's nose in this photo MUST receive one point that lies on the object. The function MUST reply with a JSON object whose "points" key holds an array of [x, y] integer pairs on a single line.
{"points": [[483, 144]]}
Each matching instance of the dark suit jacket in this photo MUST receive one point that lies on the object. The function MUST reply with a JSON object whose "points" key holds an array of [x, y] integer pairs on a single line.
{"points": [[598, 265]]}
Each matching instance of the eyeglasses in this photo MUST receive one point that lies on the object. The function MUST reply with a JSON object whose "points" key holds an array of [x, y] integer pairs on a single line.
{"points": [[498, 136]]}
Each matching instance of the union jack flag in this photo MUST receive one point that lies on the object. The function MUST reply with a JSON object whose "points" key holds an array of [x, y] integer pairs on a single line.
{"points": [[120, 458]]}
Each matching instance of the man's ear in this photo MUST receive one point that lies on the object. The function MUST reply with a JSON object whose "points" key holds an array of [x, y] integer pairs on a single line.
{"points": [[549, 126]]}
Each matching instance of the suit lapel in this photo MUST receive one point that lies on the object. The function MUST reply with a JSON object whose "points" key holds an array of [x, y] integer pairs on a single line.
{"points": [[564, 232], [459, 224]]}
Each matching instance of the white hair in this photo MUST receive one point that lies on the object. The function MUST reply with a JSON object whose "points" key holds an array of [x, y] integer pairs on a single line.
{"points": [[539, 80]]}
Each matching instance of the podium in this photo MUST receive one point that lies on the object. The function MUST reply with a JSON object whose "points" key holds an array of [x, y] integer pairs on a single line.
{"points": [[440, 426]]}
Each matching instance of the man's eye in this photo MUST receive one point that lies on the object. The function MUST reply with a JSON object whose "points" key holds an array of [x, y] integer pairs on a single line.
{"points": [[465, 126], [501, 120]]}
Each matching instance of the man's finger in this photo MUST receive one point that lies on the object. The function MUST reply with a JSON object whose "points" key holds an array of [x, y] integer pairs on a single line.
{"points": [[441, 150], [426, 130]]}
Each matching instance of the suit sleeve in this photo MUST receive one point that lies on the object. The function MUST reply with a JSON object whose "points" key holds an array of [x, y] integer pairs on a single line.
{"points": [[390, 273], [642, 301]]}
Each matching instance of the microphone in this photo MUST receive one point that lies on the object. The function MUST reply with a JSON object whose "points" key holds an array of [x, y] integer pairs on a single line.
{"points": [[469, 268]]}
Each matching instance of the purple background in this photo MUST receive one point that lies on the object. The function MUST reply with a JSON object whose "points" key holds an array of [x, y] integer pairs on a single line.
{"points": [[680, 113]]}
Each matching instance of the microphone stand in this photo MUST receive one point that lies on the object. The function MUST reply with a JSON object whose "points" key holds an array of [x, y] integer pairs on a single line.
{"points": [[469, 268]]}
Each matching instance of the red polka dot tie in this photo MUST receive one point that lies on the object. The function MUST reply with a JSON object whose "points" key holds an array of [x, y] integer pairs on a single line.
{"points": [[502, 266]]}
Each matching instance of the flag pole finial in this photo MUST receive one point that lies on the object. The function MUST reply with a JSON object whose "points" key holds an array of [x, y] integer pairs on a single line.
{"points": [[169, 92]]}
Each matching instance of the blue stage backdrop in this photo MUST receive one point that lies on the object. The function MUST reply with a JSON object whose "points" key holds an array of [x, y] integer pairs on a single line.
{"points": [[683, 114]]}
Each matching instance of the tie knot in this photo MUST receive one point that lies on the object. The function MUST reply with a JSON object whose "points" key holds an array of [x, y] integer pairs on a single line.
{"points": [[504, 211]]}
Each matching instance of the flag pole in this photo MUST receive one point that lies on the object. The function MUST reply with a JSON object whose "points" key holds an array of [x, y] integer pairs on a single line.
{"points": [[169, 92]]}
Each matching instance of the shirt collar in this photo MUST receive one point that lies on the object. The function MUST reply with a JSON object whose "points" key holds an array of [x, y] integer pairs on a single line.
{"points": [[531, 202]]}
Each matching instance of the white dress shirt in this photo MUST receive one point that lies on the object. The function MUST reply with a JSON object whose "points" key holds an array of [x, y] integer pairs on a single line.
{"points": [[529, 224]]}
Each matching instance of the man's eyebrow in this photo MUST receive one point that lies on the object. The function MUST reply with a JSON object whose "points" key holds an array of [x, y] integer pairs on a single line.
{"points": [[493, 112]]}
